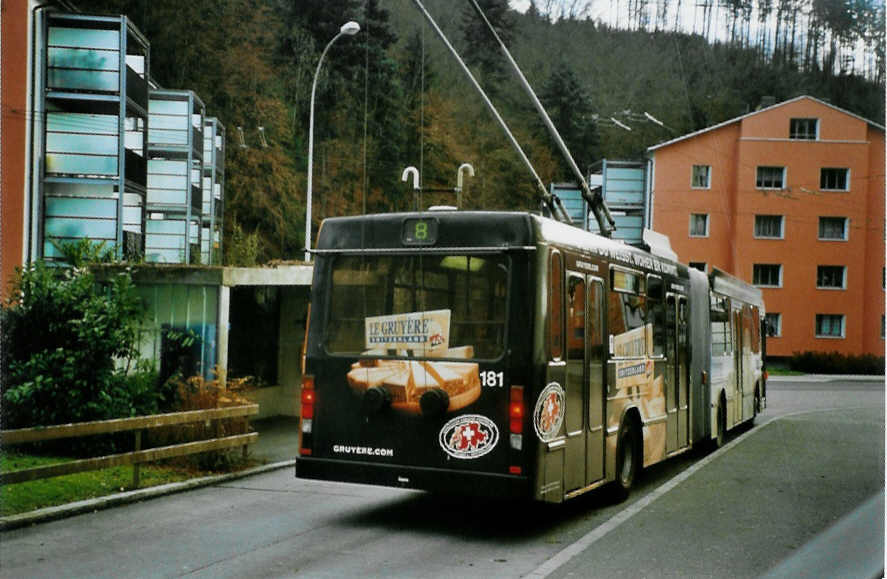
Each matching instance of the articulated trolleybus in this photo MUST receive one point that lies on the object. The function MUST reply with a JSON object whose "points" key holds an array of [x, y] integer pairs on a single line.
{"points": [[511, 355]]}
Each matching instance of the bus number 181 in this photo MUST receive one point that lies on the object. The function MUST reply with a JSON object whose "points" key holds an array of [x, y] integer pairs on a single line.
{"points": [[492, 379]]}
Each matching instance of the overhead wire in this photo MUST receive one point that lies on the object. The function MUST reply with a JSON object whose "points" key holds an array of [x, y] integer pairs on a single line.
{"points": [[366, 98]]}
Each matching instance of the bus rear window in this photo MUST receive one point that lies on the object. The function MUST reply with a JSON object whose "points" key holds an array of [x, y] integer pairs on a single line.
{"points": [[418, 306]]}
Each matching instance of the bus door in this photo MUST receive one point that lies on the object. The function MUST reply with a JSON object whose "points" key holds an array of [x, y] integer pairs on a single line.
{"points": [[671, 371], [682, 374], [677, 393], [550, 407], [596, 370], [737, 365], [576, 384]]}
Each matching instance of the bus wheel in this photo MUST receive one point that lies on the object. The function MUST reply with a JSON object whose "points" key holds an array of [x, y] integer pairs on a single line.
{"points": [[722, 423], [628, 456]]}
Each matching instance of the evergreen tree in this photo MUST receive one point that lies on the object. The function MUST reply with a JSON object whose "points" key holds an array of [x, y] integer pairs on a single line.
{"points": [[385, 109], [481, 49], [570, 109]]}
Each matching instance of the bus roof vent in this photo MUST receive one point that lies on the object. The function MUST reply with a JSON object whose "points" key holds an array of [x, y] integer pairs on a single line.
{"points": [[442, 208], [658, 244]]}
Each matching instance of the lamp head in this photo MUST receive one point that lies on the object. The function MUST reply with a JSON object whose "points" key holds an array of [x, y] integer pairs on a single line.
{"points": [[350, 28]]}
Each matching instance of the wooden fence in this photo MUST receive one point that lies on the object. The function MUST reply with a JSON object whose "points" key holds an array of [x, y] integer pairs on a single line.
{"points": [[137, 424]]}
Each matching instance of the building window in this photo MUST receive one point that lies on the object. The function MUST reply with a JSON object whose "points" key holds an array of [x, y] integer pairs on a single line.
{"points": [[769, 226], [804, 129], [833, 228], [832, 179], [770, 178], [767, 275], [701, 177], [698, 225], [774, 325], [829, 326], [831, 277], [700, 265]]}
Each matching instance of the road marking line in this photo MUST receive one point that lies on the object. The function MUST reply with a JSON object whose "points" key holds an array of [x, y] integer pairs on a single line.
{"points": [[563, 556]]}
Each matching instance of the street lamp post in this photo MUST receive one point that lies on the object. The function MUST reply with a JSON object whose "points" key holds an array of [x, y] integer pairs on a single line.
{"points": [[350, 28]]}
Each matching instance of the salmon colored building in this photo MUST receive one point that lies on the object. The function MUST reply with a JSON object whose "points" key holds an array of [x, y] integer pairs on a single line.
{"points": [[791, 199], [13, 138]]}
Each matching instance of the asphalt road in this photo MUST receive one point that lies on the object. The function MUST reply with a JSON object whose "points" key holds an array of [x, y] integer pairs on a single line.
{"points": [[814, 456]]}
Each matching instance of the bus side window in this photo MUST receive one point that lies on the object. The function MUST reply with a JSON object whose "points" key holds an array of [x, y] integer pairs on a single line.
{"points": [[755, 330], [656, 315], [556, 306], [576, 318], [627, 314], [720, 327]]}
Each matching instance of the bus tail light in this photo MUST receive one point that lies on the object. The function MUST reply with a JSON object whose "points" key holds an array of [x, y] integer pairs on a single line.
{"points": [[516, 410], [308, 397], [516, 417], [307, 415]]}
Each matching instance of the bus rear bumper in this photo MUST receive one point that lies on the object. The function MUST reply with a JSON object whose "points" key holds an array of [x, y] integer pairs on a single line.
{"points": [[420, 478]]}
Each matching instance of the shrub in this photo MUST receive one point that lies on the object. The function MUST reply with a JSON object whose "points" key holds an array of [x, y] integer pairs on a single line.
{"points": [[836, 363], [196, 393], [70, 349], [244, 248]]}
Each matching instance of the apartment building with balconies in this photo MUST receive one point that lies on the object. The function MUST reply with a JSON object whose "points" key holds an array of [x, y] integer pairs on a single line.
{"points": [[212, 211], [175, 177], [92, 99], [93, 150]]}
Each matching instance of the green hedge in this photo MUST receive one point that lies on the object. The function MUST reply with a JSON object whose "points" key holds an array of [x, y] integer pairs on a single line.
{"points": [[836, 363], [69, 349]]}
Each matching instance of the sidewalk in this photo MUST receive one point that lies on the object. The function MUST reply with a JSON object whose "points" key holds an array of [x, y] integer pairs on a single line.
{"points": [[278, 439]]}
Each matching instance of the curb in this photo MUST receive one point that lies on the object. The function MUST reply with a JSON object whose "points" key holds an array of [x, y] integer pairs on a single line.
{"points": [[819, 378], [99, 503]]}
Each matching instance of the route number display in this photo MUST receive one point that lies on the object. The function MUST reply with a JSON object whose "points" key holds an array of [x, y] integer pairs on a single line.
{"points": [[419, 231]]}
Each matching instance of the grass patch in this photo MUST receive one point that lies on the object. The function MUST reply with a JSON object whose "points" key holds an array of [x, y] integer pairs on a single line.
{"points": [[50, 492]]}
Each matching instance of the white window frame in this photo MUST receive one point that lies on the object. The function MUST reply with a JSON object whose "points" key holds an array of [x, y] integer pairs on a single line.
{"points": [[693, 221], [756, 265], [781, 228], [840, 317], [843, 285], [707, 184], [758, 178], [846, 171], [846, 229], [795, 135], [777, 327]]}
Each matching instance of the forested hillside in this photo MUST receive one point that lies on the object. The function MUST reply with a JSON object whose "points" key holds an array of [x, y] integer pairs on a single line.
{"points": [[392, 96]]}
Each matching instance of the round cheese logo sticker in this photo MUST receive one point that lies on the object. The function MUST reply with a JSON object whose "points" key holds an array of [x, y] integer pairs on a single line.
{"points": [[468, 436], [548, 415]]}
